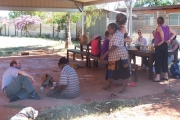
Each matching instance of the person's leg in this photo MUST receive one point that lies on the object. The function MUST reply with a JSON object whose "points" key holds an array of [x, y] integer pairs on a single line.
{"points": [[124, 87], [158, 60], [109, 86], [21, 87], [165, 61], [17, 84]]}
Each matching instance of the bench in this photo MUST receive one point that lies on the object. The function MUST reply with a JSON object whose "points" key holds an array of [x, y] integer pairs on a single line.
{"points": [[75, 51], [134, 67]]}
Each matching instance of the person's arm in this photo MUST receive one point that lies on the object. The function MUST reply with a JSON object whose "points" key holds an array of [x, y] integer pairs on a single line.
{"points": [[175, 47], [26, 74], [107, 52], [128, 39], [145, 42], [60, 88], [161, 34], [99, 44], [173, 32]]}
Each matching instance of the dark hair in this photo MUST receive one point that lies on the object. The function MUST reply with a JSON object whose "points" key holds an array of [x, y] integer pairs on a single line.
{"points": [[13, 61], [106, 34], [160, 20], [63, 60], [121, 19], [125, 35], [114, 26]]}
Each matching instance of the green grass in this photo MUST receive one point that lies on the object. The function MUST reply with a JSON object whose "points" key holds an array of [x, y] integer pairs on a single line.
{"points": [[85, 109], [12, 46]]}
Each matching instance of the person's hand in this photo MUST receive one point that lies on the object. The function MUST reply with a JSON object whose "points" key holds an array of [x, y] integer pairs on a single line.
{"points": [[102, 57], [32, 80], [168, 42]]}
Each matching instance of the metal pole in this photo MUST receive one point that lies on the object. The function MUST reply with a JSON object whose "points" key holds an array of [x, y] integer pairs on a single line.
{"points": [[130, 18], [82, 20]]}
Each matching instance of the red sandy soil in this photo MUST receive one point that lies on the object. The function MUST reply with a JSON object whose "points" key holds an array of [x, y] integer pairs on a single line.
{"points": [[91, 83]]}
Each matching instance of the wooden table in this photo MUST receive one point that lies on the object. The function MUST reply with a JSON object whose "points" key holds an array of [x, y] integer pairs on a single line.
{"points": [[150, 56]]}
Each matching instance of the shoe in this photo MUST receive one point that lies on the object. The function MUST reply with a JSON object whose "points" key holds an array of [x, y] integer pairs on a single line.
{"points": [[34, 96], [164, 78], [13, 98], [156, 80], [128, 84], [133, 84]]}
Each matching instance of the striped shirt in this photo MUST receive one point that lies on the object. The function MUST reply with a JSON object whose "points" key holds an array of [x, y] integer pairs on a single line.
{"points": [[120, 52], [69, 78]]}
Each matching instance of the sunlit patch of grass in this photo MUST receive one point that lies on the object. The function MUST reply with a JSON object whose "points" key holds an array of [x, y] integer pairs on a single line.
{"points": [[85, 109]]}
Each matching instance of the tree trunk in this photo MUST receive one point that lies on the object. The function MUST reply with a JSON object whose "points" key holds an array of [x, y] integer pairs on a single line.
{"points": [[68, 34]]}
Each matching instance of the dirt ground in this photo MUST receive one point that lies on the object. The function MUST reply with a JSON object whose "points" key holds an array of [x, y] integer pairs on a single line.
{"points": [[156, 103]]}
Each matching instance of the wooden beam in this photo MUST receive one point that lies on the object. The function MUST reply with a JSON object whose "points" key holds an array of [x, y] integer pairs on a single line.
{"points": [[100, 2]]}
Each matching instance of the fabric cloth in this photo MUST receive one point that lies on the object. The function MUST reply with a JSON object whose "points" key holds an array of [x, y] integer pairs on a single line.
{"points": [[171, 57], [143, 41], [157, 37], [105, 47], [95, 50], [120, 71], [9, 75], [161, 58], [69, 78], [20, 86], [120, 52]]}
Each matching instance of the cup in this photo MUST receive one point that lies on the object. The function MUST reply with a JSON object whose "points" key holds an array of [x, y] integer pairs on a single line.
{"points": [[54, 84], [42, 89]]}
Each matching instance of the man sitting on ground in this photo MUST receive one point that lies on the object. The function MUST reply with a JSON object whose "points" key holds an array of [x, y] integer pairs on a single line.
{"points": [[68, 87], [16, 85]]}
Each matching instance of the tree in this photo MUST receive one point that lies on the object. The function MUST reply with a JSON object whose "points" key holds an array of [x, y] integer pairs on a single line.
{"points": [[15, 14], [92, 13], [145, 3], [22, 22]]}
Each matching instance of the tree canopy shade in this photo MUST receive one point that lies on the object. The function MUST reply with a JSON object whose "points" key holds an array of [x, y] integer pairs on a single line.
{"points": [[145, 3]]}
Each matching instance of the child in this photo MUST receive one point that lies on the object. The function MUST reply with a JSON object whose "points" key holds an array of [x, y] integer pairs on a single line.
{"points": [[96, 45], [118, 67]]}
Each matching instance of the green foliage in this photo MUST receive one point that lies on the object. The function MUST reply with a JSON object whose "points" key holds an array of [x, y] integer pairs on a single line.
{"points": [[76, 17], [15, 14], [144, 3], [92, 14]]}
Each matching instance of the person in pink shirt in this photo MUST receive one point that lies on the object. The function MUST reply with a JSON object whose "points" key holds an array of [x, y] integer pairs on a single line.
{"points": [[96, 45]]}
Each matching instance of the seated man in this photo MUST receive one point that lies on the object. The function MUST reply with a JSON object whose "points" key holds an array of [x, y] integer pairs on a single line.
{"points": [[69, 83], [16, 85], [141, 40], [174, 46]]}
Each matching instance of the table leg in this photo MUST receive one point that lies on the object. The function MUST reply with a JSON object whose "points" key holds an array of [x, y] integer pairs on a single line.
{"points": [[67, 55], [150, 60]]}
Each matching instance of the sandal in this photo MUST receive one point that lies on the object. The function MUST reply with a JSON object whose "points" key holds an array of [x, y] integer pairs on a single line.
{"points": [[156, 80], [164, 79]]}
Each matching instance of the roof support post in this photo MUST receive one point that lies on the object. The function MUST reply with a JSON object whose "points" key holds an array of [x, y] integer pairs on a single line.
{"points": [[129, 15], [82, 20]]}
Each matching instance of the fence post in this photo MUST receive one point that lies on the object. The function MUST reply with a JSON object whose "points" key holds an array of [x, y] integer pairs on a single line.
{"points": [[53, 30], [40, 29]]}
